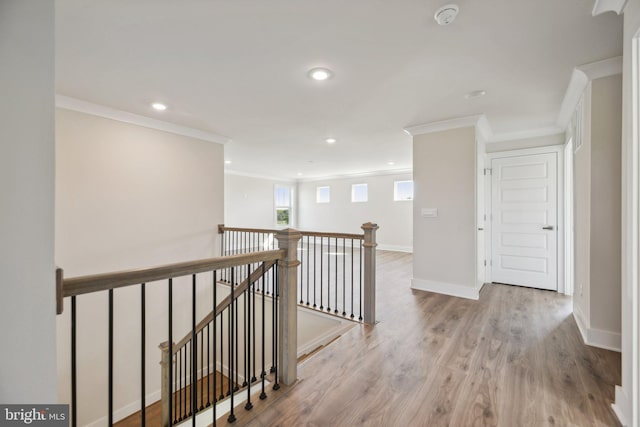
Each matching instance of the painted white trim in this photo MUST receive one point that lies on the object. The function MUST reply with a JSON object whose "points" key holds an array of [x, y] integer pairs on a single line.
{"points": [[442, 125], [340, 329], [621, 407], [525, 134], [580, 77], [602, 6], [483, 129], [596, 337], [74, 104], [357, 175], [461, 291], [560, 220], [257, 176], [394, 248]]}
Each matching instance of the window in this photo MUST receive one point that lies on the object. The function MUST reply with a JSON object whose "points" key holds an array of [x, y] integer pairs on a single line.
{"points": [[402, 190], [359, 193], [323, 194], [283, 205]]}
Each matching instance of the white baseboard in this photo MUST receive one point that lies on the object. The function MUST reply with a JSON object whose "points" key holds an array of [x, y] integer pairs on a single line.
{"points": [[597, 337], [461, 291], [621, 407], [394, 248], [126, 410]]}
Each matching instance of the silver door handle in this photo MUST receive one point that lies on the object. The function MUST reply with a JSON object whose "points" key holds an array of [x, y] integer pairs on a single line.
{"points": [[548, 227]]}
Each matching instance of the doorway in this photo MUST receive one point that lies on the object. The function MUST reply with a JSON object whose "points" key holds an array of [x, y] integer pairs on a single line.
{"points": [[525, 210]]}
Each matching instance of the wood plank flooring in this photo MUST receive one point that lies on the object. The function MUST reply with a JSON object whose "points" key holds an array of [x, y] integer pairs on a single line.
{"points": [[513, 358]]}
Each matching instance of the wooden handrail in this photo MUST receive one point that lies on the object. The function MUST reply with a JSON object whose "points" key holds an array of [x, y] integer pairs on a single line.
{"points": [[226, 302], [102, 282], [222, 229]]}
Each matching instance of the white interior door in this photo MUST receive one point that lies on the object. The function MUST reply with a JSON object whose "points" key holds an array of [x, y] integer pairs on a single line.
{"points": [[524, 207]]}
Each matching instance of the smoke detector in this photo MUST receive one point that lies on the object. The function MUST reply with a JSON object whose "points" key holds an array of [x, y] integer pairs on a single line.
{"points": [[446, 14]]}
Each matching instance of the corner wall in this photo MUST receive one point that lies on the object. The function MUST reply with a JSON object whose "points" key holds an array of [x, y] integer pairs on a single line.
{"points": [[444, 172], [129, 197], [27, 269], [597, 166]]}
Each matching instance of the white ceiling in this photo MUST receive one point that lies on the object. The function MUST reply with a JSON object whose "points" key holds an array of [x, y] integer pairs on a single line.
{"points": [[238, 68]]}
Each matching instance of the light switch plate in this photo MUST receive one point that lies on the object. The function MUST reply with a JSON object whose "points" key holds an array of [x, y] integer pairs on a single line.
{"points": [[429, 212]]}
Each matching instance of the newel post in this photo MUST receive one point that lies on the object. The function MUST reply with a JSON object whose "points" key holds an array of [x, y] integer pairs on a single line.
{"points": [[369, 272], [288, 306], [164, 383]]}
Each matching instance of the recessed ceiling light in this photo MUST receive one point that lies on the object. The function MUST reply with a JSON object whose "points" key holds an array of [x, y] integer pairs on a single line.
{"points": [[227, 162], [320, 74], [446, 14], [391, 163], [331, 140], [475, 94], [299, 173], [158, 106]]}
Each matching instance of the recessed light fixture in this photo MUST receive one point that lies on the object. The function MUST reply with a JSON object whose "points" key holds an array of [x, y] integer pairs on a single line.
{"points": [[391, 163], [299, 173], [331, 140], [320, 74], [227, 162], [446, 14], [158, 106], [475, 94]]}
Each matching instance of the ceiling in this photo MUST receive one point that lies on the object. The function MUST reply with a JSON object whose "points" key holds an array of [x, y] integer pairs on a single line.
{"points": [[239, 68]]}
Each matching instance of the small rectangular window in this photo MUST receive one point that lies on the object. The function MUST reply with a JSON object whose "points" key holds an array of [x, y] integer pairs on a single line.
{"points": [[402, 190], [282, 202], [359, 193], [323, 194]]}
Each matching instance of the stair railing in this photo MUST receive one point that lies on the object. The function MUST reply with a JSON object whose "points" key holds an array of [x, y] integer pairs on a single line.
{"points": [[337, 271], [280, 264]]}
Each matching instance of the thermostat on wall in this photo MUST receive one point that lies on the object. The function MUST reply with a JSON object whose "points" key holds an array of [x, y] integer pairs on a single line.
{"points": [[429, 212]]}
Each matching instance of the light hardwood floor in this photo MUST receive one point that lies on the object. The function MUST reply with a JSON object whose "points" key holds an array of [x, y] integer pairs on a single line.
{"points": [[513, 358]]}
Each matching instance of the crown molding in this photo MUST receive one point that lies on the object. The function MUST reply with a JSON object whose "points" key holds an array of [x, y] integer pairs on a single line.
{"points": [[526, 134], [258, 176], [483, 129], [357, 175], [74, 104], [439, 126], [602, 6], [580, 78]]}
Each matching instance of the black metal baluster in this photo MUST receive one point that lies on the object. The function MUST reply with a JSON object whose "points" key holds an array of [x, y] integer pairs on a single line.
{"points": [[329, 274], [110, 413], [344, 276], [202, 377], [315, 262], [180, 385], [273, 322], [253, 316], [276, 386], [232, 416], [263, 374], [245, 326], [193, 408], [308, 268], [213, 338], [360, 275], [236, 330], [336, 281], [301, 267], [221, 396], [176, 379], [209, 364], [74, 382], [321, 269], [143, 405], [352, 273], [170, 339], [247, 348]]}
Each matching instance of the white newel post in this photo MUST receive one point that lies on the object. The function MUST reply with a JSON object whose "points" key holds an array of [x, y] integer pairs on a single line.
{"points": [[369, 272], [288, 306]]}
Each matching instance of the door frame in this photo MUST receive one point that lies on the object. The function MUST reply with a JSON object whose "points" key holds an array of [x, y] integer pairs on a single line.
{"points": [[560, 220]]}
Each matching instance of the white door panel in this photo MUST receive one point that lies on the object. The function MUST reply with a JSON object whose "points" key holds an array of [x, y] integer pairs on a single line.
{"points": [[524, 207]]}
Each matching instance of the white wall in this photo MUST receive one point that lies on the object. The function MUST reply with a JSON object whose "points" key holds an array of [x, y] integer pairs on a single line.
{"points": [[597, 215], [628, 394], [534, 142], [341, 215], [27, 269], [249, 201], [129, 197], [444, 172]]}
